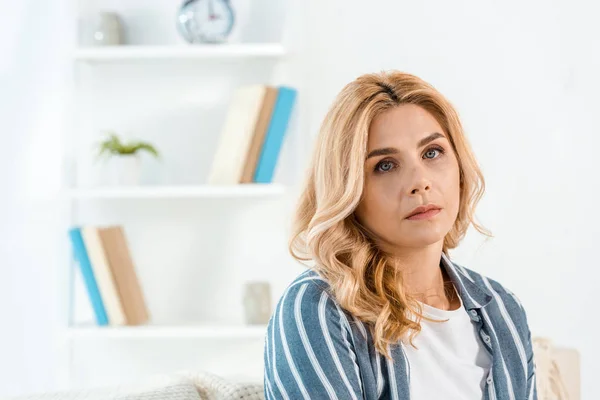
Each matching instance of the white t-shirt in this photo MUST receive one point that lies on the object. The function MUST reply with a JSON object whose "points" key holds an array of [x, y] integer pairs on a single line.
{"points": [[451, 362]]}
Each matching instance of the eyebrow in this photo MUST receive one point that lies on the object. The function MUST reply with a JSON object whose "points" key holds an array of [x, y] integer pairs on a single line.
{"points": [[392, 150]]}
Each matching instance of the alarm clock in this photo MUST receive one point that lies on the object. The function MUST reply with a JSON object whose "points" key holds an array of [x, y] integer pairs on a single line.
{"points": [[205, 21]]}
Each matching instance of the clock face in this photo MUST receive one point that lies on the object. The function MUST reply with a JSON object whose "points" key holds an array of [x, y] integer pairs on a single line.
{"points": [[206, 20]]}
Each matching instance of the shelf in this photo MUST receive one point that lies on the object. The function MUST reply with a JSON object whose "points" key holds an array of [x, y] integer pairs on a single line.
{"points": [[154, 331], [175, 192], [178, 52]]}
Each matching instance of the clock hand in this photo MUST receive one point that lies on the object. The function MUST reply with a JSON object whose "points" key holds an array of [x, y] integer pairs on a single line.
{"points": [[211, 11]]}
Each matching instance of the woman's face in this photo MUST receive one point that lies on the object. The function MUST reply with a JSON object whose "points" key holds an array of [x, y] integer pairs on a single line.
{"points": [[410, 163]]}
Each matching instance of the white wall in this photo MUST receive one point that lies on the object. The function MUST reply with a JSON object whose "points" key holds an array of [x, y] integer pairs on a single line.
{"points": [[522, 75], [32, 103]]}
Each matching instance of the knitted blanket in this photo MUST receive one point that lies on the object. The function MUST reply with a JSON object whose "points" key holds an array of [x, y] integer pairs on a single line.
{"points": [[185, 385]]}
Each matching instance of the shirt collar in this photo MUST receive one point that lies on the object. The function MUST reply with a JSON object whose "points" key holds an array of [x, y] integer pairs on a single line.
{"points": [[473, 295]]}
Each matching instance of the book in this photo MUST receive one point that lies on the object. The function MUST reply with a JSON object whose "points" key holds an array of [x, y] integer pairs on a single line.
{"points": [[275, 135], [236, 135], [81, 256], [104, 275], [260, 133], [114, 241]]}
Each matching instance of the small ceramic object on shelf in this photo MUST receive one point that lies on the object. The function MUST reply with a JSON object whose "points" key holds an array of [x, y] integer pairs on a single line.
{"points": [[205, 21], [257, 303], [107, 29], [126, 170], [124, 158]]}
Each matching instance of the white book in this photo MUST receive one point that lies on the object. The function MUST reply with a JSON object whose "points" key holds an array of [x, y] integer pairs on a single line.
{"points": [[236, 135], [104, 276]]}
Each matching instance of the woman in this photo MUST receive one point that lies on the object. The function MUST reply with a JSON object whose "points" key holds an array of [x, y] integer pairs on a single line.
{"points": [[382, 312]]}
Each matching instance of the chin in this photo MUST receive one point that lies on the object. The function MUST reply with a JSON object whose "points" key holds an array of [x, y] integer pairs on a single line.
{"points": [[421, 237], [421, 241]]}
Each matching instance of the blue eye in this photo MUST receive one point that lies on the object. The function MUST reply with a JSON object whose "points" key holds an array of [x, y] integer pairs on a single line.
{"points": [[385, 166], [432, 152]]}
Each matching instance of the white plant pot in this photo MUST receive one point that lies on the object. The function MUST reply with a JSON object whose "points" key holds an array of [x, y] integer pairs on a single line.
{"points": [[126, 170]]}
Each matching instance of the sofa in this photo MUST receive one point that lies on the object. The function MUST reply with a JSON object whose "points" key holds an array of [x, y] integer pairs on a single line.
{"points": [[557, 369], [184, 385]]}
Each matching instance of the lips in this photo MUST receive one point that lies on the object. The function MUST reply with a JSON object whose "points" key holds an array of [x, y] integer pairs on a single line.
{"points": [[423, 209]]}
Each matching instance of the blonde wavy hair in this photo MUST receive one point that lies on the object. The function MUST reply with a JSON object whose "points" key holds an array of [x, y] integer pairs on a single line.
{"points": [[361, 276]]}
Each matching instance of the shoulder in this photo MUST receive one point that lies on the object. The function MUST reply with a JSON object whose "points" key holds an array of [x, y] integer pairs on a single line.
{"points": [[496, 288], [308, 350], [307, 301], [308, 287], [504, 304]]}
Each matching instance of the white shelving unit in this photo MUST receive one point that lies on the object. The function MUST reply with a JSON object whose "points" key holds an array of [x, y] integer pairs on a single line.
{"points": [[180, 192], [180, 66], [168, 332], [171, 53]]}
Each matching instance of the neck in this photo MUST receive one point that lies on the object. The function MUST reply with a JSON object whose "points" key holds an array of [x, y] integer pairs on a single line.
{"points": [[424, 279]]}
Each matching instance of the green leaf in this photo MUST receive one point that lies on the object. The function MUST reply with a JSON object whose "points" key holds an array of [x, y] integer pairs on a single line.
{"points": [[112, 145]]}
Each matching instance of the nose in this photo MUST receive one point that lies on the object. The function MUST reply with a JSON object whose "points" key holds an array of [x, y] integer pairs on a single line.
{"points": [[421, 188], [420, 183]]}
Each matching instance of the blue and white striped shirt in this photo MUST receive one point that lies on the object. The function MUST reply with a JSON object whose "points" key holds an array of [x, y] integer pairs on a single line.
{"points": [[314, 349]]}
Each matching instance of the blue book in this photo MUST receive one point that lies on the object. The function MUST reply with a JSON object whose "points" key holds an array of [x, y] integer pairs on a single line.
{"points": [[282, 112], [85, 265]]}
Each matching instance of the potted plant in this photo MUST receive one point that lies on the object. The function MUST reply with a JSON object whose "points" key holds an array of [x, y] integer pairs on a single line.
{"points": [[125, 158]]}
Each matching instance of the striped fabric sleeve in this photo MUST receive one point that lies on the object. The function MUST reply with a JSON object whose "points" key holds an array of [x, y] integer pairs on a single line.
{"points": [[527, 344], [531, 377], [308, 352], [531, 382]]}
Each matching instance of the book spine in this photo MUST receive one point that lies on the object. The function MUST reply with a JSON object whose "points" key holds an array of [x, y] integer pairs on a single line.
{"points": [[85, 266], [275, 135]]}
